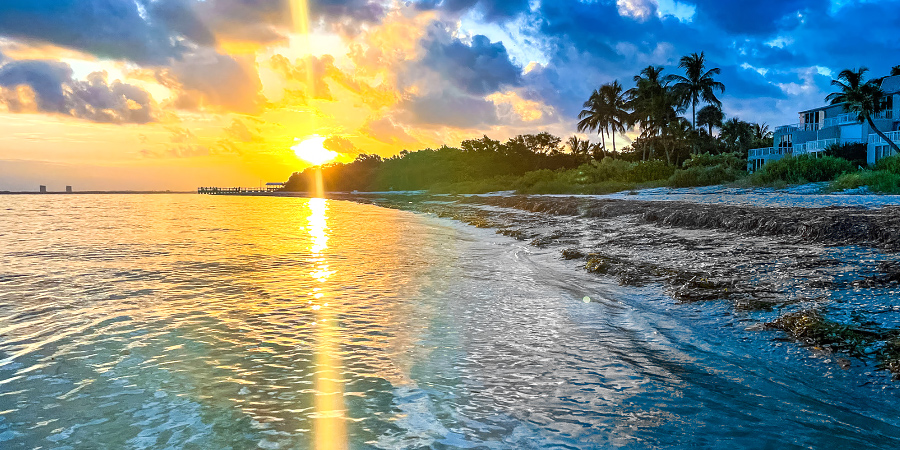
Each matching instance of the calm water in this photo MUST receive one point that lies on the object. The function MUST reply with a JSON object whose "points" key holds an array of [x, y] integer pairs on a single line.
{"points": [[184, 321]]}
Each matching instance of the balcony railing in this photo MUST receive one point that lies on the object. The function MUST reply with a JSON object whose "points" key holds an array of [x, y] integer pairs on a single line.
{"points": [[877, 140], [849, 118], [842, 119], [756, 153], [785, 129], [820, 145]]}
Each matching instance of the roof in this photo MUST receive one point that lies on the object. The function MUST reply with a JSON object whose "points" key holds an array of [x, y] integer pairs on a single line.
{"points": [[274, 184], [891, 85], [821, 108]]}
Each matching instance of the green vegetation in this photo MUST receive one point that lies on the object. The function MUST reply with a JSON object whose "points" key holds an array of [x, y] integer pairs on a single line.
{"points": [[802, 169], [668, 149]]}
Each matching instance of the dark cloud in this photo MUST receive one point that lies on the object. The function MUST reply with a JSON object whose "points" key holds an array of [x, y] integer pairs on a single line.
{"points": [[479, 68], [108, 28], [361, 10], [95, 99], [748, 83], [45, 78], [490, 9], [92, 99], [758, 17]]}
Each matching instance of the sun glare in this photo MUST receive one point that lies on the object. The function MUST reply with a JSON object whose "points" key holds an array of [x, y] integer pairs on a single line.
{"points": [[312, 150]]}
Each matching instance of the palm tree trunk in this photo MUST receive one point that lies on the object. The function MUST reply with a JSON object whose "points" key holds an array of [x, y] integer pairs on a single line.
{"points": [[603, 139], [694, 115], [694, 127], [614, 140], [878, 132]]}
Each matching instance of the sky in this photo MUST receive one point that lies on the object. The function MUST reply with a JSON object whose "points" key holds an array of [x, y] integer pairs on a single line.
{"points": [[175, 94]]}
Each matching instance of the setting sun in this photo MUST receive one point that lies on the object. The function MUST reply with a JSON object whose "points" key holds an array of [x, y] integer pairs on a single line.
{"points": [[312, 150]]}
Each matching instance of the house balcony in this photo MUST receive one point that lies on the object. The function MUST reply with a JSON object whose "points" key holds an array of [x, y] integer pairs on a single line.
{"points": [[843, 119], [816, 147], [787, 129], [759, 153], [852, 118], [877, 140]]}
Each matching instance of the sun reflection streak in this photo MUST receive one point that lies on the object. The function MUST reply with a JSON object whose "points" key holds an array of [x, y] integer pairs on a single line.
{"points": [[330, 429]]}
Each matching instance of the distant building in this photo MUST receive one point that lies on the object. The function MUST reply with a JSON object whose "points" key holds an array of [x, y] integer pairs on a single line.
{"points": [[43, 189], [822, 127], [272, 187], [68, 189]]}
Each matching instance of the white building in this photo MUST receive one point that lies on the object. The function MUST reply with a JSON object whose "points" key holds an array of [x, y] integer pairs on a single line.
{"points": [[821, 127]]}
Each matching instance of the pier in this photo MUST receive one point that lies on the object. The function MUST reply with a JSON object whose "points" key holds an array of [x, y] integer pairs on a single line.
{"points": [[270, 187]]}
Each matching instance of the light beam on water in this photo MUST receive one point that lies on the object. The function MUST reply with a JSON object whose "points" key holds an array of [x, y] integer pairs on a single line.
{"points": [[329, 418]]}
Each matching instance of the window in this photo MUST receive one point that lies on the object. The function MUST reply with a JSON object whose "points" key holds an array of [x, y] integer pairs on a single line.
{"points": [[785, 141]]}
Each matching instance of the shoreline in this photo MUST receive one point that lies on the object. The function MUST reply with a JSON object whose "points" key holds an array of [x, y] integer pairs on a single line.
{"points": [[822, 277]]}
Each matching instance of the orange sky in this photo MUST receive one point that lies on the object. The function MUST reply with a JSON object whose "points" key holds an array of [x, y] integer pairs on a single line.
{"points": [[240, 131]]}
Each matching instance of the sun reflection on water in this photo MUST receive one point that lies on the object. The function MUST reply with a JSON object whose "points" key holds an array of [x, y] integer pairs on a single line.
{"points": [[329, 418]]}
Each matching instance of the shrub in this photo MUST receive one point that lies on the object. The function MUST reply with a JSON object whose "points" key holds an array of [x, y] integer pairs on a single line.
{"points": [[802, 169], [890, 164], [704, 176], [853, 152], [728, 160], [878, 181], [606, 170], [643, 171]]}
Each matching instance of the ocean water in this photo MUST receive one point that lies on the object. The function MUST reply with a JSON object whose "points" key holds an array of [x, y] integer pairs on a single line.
{"points": [[186, 321]]}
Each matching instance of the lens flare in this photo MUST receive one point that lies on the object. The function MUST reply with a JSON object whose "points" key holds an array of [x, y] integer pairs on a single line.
{"points": [[312, 150]]}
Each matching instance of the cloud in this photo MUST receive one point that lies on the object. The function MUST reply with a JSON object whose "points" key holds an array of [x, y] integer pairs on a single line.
{"points": [[183, 143], [95, 99], [479, 68], [490, 10], [210, 80], [449, 109], [759, 17], [45, 78], [637, 9], [310, 71], [107, 28], [340, 145], [51, 88], [385, 130], [359, 10], [240, 132]]}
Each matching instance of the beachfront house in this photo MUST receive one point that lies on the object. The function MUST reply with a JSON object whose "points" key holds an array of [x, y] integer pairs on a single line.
{"points": [[821, 127]]}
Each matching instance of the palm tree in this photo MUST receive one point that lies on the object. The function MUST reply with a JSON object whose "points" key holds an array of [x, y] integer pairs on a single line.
{"points": [[579, 147], [737, 134], [605, 111], [617, 109], [710, 116], [655, 107], [698, 84], [895, 71], [594, 116], [860, 97], [761, 131]]}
